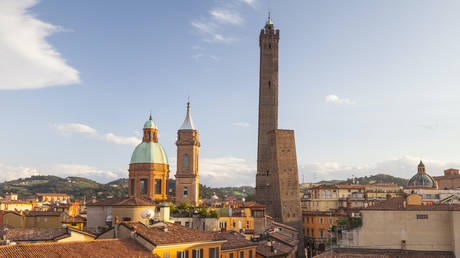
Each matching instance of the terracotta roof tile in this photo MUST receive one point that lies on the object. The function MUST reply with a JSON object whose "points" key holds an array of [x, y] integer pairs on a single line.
{"points": [[95, 248], [41, 213], [234, 240], [398, 203], [384, 253], [268, 248], [34, 234], [129, 201], [157, 234]]}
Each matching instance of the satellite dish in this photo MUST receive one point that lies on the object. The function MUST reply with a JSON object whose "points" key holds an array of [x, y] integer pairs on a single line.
{"points": [[148, 214], [109, 218]]}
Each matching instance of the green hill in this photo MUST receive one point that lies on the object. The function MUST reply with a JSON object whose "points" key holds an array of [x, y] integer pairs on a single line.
{"points": [[379, 178]]}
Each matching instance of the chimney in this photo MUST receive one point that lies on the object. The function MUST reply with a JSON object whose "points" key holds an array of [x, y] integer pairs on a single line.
{"points": [[115, 228], [404, 204], [133, 233]]}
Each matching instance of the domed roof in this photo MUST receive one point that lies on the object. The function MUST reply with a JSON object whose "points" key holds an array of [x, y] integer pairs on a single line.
{"points": [[149, 152], [422, 179], [149, 124]]}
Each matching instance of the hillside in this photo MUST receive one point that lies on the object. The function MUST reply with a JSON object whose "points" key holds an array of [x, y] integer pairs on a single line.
{"points": [[80, 188], [379, 178]]}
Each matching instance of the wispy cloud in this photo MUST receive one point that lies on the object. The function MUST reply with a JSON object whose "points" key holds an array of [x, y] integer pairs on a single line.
{"points": [[405, 167], [8, 172], [223, 171], [85, 129], [28, 60], [241, 124], [249, 2], [335, 99], [208, 30], [74, 128], [226, 16]]}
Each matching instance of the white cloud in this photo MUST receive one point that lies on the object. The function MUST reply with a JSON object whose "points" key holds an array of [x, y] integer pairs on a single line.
{"points": [[62, 170], [226, 16], [249, 2], [28, 61], [85, 129], [334, 99], [241, 124], [74, 128], [208, 30], [110, 137], [14, 172], [405, 167], [223, 171]]}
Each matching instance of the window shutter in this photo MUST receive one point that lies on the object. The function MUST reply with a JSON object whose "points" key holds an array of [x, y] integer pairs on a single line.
{"points": [[201, 253], [186, 254], [194, 253], [217, 252]]}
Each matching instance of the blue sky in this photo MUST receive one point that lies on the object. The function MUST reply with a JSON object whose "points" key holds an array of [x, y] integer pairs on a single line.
{"points": [[368, 86]]}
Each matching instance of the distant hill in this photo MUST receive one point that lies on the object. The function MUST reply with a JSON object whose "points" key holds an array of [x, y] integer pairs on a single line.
{"points": [[77, 187], [80, 188], [379, 178]]}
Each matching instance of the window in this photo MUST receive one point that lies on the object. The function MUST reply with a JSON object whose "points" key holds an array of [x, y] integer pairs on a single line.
{"points": [[157, 186], [241, 254], [182, 254], [214, 252], [308, 231], [250, 253], [321, 233], [197, 253], [321, 221], [330, 220], [166, 255], [323, 194], [148, 136], [177, 222], [234, 224], [185, 161], [187, 224], [143, 187], [247, 224], [132, 186], [45, 219], [269, 84], [185, 191], [312, 232], [422, 216], [38, 219], [231, 255]]}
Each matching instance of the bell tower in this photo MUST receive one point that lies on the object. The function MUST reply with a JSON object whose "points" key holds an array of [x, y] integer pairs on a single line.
{"points": [[187, 178], [268, 111]]}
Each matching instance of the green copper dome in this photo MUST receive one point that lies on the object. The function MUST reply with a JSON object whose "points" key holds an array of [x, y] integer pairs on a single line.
{"points": [[150, 124], [149, 152]]}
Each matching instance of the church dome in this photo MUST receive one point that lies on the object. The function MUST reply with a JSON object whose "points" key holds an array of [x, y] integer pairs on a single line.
{"points": [[422, 180], [150, 124], [149, 150]]}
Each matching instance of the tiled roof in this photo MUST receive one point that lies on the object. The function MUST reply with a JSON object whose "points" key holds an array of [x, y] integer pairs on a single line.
{"points": [[128, 201], [35, 234], [283, 226], [288, 239], [383, 253], [51, 194], [74, 219], [268, 248], [399, 204], [253, 205], [174, 233], [41, 213], [94, 248], [234, 239]]}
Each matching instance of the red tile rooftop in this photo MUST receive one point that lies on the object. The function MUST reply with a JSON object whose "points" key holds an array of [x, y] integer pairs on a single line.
{"points": [[96, 248], [234, 240], [383, 253], [400, 205], [128, 201]]}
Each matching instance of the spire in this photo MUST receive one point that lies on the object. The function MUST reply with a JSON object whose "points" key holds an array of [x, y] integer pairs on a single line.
{"points": [[269, 21], [150, 118], [421, 168], [188, 123]]}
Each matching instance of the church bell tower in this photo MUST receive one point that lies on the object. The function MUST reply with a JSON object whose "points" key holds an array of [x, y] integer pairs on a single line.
{"points": [[187, 178]]}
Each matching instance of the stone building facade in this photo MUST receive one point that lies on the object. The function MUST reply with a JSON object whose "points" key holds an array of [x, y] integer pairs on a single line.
{"points": [[187, 177], [450, 179]]}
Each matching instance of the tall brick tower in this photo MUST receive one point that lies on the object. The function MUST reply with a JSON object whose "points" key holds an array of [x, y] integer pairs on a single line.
{"points": [[187, 178], [268, 110]]}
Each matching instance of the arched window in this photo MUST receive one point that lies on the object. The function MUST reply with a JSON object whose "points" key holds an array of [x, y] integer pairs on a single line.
{"points": [[185, 161], [185, 191]]}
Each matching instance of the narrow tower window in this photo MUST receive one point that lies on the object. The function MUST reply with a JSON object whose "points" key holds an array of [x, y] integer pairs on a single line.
{"points": [[144, 186], [185, 161], [185, 192], [157, 186], [269, 84], [132, 186]]}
